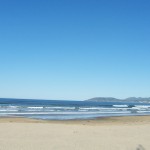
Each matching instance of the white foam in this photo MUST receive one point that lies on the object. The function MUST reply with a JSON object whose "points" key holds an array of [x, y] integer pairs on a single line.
{"points": [[60, 107], [102, 109], [142, 106], [12, 106], [120, 105], [7, 110], [35, 107], [141, 111], [62, 113]]}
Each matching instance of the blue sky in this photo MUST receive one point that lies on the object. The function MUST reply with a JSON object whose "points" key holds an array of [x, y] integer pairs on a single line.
{"points": [[74, 49]]}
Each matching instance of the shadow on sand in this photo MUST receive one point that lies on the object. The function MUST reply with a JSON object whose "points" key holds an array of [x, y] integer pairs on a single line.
{"points": [[140, 147]]}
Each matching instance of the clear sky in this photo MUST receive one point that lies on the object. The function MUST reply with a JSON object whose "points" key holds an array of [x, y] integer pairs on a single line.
{"points": [[74, 49]]}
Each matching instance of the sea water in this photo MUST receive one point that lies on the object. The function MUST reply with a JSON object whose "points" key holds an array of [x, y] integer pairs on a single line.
{"points": [[65, 109]]}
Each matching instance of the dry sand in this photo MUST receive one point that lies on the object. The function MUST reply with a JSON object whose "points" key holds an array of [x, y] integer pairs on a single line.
{"points": [[116, 133]]}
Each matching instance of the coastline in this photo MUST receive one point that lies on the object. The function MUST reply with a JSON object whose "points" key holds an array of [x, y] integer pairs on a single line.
{"points": [[98, 120], [113, 133]]}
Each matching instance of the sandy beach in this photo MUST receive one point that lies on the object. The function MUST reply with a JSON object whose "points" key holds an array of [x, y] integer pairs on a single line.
{"points": [[115, 133]]}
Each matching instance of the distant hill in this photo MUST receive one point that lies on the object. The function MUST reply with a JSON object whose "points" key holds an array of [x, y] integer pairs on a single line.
{"points": [[112, 99]]}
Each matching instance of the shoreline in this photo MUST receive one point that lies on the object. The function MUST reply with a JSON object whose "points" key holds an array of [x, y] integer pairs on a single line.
{"points": [[95, 121]]}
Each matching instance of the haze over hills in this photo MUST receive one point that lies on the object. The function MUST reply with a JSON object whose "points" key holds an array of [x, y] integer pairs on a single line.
{"points": [[95, 99], [112, 99]]}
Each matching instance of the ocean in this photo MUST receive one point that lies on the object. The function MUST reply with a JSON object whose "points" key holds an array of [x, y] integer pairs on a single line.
{"points": [[66, 110]]}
